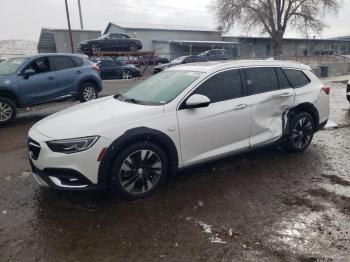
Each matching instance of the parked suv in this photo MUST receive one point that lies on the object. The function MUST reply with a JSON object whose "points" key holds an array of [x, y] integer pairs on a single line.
{"points": [[181, 117], [38, 79], [348, 91]]}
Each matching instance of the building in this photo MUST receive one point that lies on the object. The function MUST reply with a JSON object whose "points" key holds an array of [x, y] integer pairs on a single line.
{"points": [[58, 40], [160, 38], [261, 47]]}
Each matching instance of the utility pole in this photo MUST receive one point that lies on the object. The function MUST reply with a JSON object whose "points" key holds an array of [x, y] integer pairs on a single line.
{"points": [[69, 28], [80, 15]]}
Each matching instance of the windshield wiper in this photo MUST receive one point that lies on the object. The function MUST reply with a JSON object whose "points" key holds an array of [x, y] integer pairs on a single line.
{"points": [[123, 98]]}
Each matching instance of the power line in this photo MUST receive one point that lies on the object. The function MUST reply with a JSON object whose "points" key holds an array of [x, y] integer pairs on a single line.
{"points": [[163, 7]]}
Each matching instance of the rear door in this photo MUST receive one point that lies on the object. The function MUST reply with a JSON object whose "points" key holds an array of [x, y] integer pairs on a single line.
{"points": [[108, 69], [38, 88], [221, 128], [271, 96], [68, 72]]}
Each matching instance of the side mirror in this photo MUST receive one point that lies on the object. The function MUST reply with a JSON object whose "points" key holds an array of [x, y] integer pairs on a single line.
{"points": [[197, 101], [28, 73]]}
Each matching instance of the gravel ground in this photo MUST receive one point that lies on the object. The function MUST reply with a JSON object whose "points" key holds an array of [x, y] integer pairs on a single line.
{"points": [[265, 205]]}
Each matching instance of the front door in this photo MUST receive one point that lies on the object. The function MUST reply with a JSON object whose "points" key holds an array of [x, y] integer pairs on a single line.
{"points": [[271, 97], [221, 128], [41, 86]]}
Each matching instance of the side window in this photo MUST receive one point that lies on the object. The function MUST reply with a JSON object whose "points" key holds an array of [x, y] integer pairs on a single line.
{"points": [[62, 62], [77, 61], [261, 80], [40, 65], [282, 79], [296, 77], [222, 86], [107, 63], [118, 63]]}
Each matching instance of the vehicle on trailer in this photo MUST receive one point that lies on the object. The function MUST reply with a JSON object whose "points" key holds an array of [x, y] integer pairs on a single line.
{"points": [[112, 68], [110, 42], [178, 61], [38, 79], [348, 91], [184, 116]]}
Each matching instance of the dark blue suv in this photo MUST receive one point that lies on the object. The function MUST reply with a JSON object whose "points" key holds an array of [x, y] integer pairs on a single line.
{"points": [[39, 79]]}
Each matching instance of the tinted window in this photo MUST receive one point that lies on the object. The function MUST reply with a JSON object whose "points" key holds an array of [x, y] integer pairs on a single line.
{"points": [[62, 62], [222, 86], [282, 79], [261, 80], [296, 77], [107, 63], [40, 65], [118, 63], [78, 61]]}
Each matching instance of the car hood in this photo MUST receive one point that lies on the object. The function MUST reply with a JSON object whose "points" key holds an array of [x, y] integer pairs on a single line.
{"points": [[94, 118]]}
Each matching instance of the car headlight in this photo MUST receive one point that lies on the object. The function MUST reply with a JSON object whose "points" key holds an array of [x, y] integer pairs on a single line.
{"points": [[70, 146]]}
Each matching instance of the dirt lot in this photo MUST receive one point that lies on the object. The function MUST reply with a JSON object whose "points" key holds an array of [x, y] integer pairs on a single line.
{"points": [[265, 205]]}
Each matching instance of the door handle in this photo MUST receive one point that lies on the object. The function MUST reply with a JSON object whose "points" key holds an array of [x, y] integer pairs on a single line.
{"points": [[239, 107], [286, 95], [51, 78]]}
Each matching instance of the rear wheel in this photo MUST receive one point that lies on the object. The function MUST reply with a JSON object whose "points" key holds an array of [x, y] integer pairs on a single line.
{"points": [[127, 74], [139, 170], [87, 92], [8, 111], [301, 132]]}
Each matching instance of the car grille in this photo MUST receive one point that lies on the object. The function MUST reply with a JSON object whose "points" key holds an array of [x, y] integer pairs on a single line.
{"points": [[34, 149]]}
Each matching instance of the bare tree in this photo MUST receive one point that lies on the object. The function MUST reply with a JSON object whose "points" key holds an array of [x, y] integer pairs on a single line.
{"points": [[274, 16]]}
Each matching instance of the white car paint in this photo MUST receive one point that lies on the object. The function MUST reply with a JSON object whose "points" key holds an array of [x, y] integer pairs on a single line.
{"points": [[199, 134]]}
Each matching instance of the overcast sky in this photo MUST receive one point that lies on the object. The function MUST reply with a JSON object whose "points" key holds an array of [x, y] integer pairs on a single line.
{"points": [[23, 19]]}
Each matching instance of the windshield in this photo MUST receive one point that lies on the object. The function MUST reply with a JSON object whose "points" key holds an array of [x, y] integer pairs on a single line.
{"points": [[10, 66], [178, 60], [161, 88], [205, 53]]}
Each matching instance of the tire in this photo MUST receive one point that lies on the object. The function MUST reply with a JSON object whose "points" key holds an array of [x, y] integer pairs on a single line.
{"points": [[127, 74], [133, 48], [139, 170], [8, 111], [301, 131], [87, 92], [95, 48]]}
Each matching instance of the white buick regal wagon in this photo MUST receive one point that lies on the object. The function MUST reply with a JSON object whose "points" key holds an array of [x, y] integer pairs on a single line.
{"points": [[183, 116]]}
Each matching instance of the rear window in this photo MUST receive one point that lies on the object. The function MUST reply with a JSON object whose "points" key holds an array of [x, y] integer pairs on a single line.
{"points": [[297, 78], [282, 79], [261, 80]]}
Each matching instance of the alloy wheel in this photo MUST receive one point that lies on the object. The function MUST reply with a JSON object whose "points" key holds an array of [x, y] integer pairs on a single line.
{"points": [[140, 172], [302, 132], [126, 74], [5, 111], [133, 48], [89, 93]]}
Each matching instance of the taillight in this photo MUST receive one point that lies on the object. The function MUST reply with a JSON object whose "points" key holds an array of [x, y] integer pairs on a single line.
{"points": [[95, 67], [326, 89]]}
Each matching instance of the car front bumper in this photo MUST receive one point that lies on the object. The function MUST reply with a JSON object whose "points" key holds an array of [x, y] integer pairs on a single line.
{"points": [[78, 171]]}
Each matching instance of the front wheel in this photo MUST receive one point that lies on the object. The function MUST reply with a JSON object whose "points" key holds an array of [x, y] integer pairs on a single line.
{"points": [[139, 170], [8, 111], [301, 132], [87, 92]]}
